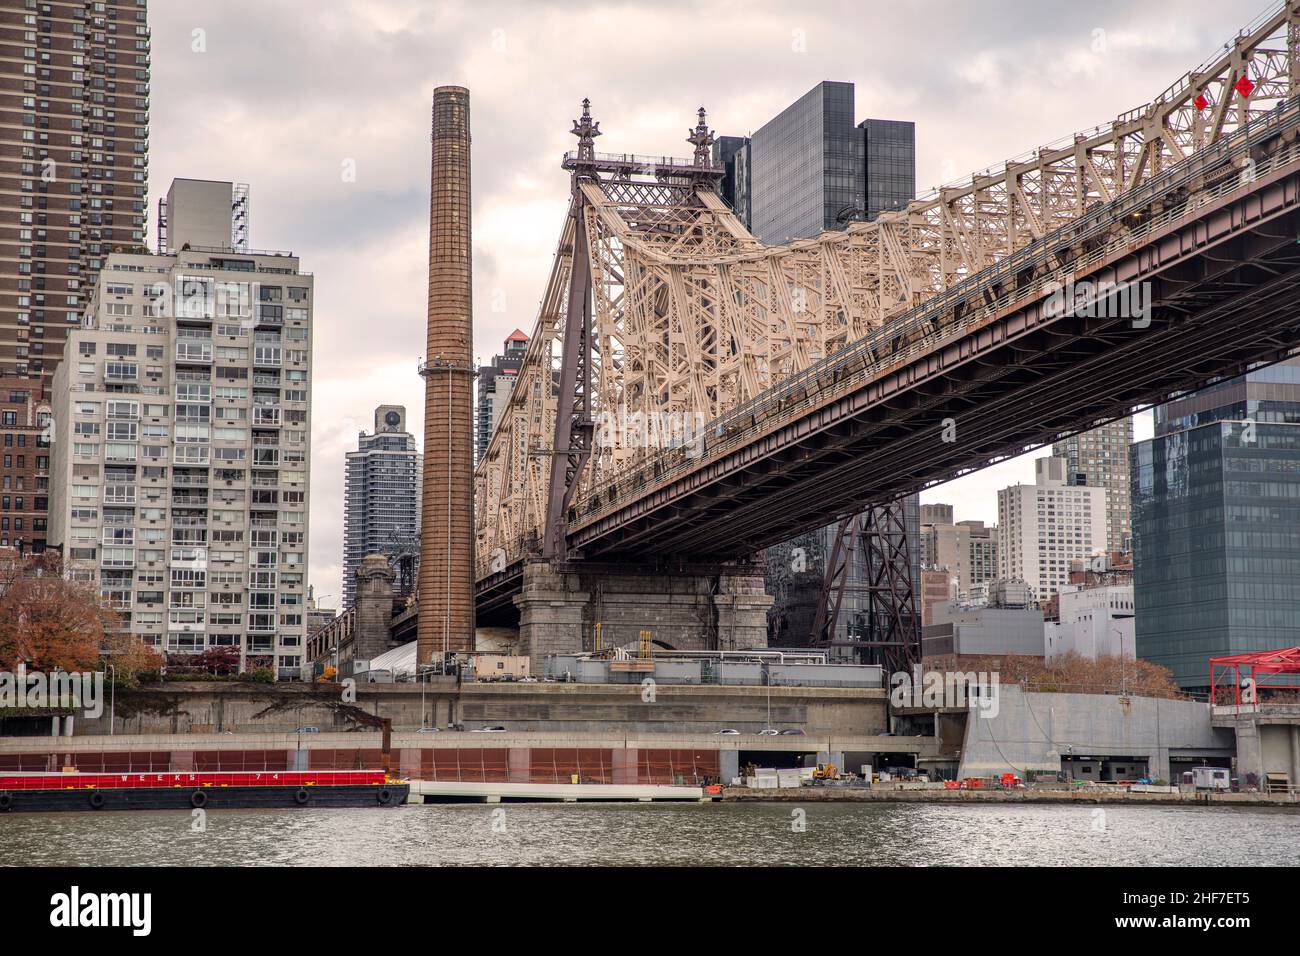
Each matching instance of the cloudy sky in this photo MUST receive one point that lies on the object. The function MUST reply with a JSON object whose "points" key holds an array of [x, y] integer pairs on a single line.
{"points": [[286, 94]]}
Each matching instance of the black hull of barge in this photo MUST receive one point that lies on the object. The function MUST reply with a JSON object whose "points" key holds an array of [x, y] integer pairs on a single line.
{"points": [[207, 798]]}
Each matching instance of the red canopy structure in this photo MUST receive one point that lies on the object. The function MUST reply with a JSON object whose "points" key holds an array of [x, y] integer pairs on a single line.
{"points": [[1254, 663]]}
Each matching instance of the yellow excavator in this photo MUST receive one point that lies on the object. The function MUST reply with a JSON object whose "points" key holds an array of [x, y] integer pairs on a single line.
{"points": [[826, 771]]}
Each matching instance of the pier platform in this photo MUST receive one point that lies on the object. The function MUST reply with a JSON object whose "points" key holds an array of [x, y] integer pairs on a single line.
{"points": [[451, 791]]}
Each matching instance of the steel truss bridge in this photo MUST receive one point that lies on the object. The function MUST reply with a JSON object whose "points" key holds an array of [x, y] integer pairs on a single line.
{"points": [[850, 369]]}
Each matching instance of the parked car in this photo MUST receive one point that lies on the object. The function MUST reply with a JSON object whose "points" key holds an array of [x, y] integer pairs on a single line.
{"points": [[769, 732], [490, 730], [308, 730], [726, 730], [429, 730], [793, 732]]}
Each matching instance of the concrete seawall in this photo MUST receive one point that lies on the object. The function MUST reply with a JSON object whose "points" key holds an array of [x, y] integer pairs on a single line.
{"points": [[1093, 797], [240, 708]]}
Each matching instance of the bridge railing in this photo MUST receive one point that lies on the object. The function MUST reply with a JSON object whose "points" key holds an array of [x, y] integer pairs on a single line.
{"points": [[647, 165], [921, 328]]}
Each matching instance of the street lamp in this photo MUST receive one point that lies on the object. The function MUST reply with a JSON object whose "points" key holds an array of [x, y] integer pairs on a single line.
{"points": [[424, 683], [112, 690], [767, 679]]}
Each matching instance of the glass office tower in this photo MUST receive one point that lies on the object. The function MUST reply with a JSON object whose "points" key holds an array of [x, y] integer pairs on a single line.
{"points": [[1216, 524], [889, 164], [810, 168]]}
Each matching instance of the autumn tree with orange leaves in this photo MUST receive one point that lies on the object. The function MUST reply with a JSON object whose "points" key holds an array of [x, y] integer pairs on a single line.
{"points": [[1071, 673], [46, 621]]}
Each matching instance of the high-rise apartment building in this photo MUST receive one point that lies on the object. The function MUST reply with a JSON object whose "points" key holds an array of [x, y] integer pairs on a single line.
{"points": [[74, 163], [1216, 524], [204, 215], [494, 384], [1044, 526], [1100, 458], [936, 514], [25, 475], [965, 549], [381, 498], [182, 453], [74, 124], [810, 168]]}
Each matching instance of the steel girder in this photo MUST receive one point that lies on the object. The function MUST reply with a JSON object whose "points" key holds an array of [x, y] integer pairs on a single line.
{"points": [[870, 564]]}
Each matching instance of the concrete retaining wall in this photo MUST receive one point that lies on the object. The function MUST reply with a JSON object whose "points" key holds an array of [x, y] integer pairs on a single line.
{"points": [[206, 708], [1033, 731]]}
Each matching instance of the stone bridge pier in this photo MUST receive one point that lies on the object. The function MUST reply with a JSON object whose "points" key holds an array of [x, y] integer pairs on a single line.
{"points": [[715, 608]]}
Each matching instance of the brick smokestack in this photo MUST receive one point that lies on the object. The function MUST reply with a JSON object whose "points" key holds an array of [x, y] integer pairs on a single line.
{"points": [[446, 581]]}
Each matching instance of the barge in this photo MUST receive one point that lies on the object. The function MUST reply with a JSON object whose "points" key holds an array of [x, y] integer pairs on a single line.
{"points": [[195, 790]]}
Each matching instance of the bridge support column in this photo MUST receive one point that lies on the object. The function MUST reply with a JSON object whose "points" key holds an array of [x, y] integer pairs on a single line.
{"points": [[741, 605], [563, 609], [551, 608]]}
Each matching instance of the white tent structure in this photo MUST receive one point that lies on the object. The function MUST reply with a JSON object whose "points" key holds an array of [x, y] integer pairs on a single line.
{"points": [[399, 662]]}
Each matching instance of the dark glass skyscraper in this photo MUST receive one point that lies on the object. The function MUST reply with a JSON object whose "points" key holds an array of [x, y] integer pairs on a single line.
{"points": [[810, 168], [732, 153], [888, 164], [1216, 524]]}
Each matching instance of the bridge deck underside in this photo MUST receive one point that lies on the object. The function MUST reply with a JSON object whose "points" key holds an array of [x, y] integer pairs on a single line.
{"points": [[1225, 293]]}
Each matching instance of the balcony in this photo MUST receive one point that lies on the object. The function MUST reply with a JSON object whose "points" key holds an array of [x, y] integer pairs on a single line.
{"points": [[196, 558], [116, 600], [189, 455], [266, 416], [194, 352], [116, 373]]}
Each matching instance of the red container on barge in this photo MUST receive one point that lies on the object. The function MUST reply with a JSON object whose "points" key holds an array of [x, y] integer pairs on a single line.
{"points": [[189, 790]]}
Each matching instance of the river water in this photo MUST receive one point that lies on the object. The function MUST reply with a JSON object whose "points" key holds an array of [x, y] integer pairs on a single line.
{"points": [[661, 834]]}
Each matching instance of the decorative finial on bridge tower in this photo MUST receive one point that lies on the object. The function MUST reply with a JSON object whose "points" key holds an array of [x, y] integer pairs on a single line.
{"points": [[586, 130], [702, 139]]}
